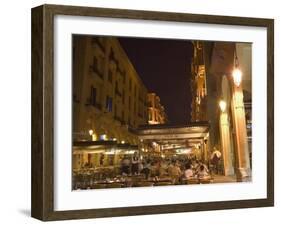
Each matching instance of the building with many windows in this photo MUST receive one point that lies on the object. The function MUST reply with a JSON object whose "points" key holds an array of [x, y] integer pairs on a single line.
{"points": [[156, 111], [198, 84], [109, 98]]}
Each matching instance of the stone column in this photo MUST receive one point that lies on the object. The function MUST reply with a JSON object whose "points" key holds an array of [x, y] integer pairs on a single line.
{"points": [[241, 143], [203, 151], [225, 144], [206, 151]]}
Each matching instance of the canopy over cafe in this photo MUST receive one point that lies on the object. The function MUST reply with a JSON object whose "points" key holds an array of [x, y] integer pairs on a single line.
{"points": [[176, 141], [155, 141]]}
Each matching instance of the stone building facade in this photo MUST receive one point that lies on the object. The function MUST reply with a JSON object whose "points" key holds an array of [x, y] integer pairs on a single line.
{"points": [[108, 95], [212, 83], [109, 98], [156, 111]]}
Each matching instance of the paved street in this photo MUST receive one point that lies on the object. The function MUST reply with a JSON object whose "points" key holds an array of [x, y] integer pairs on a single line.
{"points": [[224, 179]]}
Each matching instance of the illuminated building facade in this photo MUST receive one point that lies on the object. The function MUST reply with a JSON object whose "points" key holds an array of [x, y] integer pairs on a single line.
{"points": [[198, 84], [156, 111], [109, 98], [223, 98]]}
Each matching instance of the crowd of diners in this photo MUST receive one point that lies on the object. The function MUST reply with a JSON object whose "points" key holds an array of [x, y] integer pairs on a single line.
{"points": [[137, 171], [176, 168]]}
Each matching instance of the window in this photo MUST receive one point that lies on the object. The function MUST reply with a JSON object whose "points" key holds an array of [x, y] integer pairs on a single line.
{"points": [[98, 66], [124, 77], [123, 97], [93, 96], [130, 84], [123, 116], [110, 76], [108, 103], [95, 63], [117, 89], [115, 111]]}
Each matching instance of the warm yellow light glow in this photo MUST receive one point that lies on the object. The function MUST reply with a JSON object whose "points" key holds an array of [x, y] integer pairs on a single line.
{"points": [[122, 142], [94, 137], [237, 76], [114, 139], [222, 105], [91, 132]]}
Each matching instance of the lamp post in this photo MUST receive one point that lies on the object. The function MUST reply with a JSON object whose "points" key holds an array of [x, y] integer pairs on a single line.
{"points": [[222, 105], [237, 76], [236, 73], [239, 125], [92, 135]]}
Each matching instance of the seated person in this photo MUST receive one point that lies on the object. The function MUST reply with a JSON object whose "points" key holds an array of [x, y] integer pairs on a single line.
{"points": [[202, 172], [188, 173], [162, 170]]}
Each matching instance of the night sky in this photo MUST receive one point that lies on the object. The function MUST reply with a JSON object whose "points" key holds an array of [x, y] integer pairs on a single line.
{"points": [[164, 67]]}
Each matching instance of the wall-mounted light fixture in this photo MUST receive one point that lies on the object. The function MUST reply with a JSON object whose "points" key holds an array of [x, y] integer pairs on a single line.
{"points": [[222, 105]]}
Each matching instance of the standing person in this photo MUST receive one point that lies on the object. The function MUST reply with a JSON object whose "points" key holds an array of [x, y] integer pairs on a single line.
{"points": [[135, 164], [215, 158], [102, 159], [146, 168], [162, 169], [125, 166], [175, 173]]}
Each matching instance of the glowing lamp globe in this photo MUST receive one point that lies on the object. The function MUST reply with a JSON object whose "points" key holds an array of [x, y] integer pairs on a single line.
{"points": [[222, 105], [237, 76]]}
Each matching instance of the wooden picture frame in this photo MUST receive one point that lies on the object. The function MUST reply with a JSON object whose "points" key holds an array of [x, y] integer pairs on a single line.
{"points": [[43, 107]]}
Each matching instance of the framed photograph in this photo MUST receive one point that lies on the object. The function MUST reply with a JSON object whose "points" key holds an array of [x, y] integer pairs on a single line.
{"points": [[141, 112]]}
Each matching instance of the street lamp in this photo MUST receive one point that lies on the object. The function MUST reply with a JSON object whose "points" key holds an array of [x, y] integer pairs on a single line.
{"points": [[237, 76], [222, 105], [92, 135]]}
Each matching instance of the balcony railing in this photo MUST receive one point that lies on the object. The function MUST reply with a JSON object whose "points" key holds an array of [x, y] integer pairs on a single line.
{"points": [[93, 104], [96, 71], [118, 118], [118, 93], [99, 43]]}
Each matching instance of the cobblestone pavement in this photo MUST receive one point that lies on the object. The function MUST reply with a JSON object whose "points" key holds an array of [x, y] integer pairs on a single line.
{"points": [[223, 179]]}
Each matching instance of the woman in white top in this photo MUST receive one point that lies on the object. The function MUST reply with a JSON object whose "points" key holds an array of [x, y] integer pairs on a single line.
{"points": [[188, 173], [203, 172]]}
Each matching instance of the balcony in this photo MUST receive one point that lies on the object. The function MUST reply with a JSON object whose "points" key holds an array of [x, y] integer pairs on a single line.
{"points": [[96, 71], [90, 103], [112, 58], [118, 119], [118, 93], [99, 43]]}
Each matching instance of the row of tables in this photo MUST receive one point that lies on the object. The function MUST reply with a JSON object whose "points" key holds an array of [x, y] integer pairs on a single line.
{"points": [[136, 181]]}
